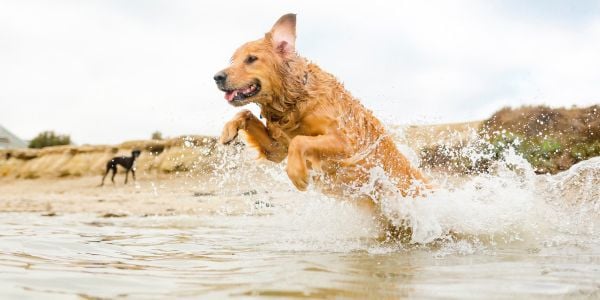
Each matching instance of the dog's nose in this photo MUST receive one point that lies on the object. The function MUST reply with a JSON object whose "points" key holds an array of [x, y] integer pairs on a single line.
{"points": [[220, 77]]}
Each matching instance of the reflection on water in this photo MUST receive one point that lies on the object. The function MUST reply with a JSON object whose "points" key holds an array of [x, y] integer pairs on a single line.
{"points": [[247, 255]]}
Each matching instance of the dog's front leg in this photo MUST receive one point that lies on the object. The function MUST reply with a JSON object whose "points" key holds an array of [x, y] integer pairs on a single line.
{"points": [[314, 149], [256, 133]]}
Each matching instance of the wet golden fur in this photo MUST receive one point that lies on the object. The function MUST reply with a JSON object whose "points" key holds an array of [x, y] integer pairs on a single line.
{"points": [[311, 119]]}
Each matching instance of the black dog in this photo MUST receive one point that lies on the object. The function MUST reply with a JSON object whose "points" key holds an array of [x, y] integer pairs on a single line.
{"points": [[126, 162]]}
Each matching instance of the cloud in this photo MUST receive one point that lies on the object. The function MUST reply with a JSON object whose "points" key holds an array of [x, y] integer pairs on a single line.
{"points": [[106, 71]]}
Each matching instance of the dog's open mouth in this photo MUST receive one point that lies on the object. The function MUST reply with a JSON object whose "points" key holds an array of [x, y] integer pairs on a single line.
{"points": [[243, 93]]}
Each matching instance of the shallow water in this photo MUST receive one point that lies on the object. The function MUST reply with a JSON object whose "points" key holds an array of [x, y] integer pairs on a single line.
{"points": [[226, 256], [508, 235]]}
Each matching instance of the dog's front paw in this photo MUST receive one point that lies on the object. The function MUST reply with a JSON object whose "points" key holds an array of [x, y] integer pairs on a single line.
{"points": [[230, 131]]}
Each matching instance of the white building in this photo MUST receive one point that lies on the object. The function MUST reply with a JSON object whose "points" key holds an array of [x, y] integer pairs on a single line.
{"points": [[9, 140]]}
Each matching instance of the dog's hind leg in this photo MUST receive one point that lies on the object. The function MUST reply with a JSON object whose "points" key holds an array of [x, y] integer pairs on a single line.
{"points": [[411, 182]]}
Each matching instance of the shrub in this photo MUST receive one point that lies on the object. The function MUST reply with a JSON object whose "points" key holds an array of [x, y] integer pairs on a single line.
{"points": [[49, 138], [157, 135]]}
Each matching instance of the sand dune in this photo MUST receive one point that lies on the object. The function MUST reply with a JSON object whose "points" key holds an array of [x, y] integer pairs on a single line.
{"points": [[181, 154]]}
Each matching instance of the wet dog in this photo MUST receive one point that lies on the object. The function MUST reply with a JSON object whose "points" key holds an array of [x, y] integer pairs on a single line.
{"points": [[127, 162], [310, 119]]}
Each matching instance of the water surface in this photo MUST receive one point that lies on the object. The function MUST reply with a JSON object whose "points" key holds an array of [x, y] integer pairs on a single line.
{"points": [[505, 235]]}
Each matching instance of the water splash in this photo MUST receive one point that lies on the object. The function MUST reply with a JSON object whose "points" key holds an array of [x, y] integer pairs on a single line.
{"points": [[508, 203]]}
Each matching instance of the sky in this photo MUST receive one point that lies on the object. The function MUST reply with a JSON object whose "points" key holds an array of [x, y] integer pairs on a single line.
{"points": [[109, 71]]}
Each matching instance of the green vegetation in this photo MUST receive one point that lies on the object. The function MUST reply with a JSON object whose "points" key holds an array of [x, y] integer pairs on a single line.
{"points": [[551, 140], [49, 138], [582, 151], [157, 135], [541, 152]]}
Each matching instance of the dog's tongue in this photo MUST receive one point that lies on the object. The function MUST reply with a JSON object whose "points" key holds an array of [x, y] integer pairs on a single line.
{"points": [[230, 95]]}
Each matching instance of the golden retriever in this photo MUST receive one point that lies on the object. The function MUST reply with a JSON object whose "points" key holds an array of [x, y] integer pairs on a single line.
{"points": [[311, 119]]}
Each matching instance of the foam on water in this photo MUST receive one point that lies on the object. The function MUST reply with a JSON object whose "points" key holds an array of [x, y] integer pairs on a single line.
{"points": [[491, 206], [512, 204]]}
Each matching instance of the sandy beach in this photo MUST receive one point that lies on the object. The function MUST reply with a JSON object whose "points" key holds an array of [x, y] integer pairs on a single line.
{"points": [[163, 195]]}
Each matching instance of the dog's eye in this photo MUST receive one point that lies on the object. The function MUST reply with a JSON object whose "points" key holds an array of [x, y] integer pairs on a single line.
{"points": [[250, 59]]}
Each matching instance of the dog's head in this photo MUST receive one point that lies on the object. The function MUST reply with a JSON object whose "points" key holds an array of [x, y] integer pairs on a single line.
{"points": [[136, 153], [256, 70]]}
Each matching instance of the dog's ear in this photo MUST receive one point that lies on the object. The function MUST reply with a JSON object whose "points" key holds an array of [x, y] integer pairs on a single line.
{"points": [[283, 34]]}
